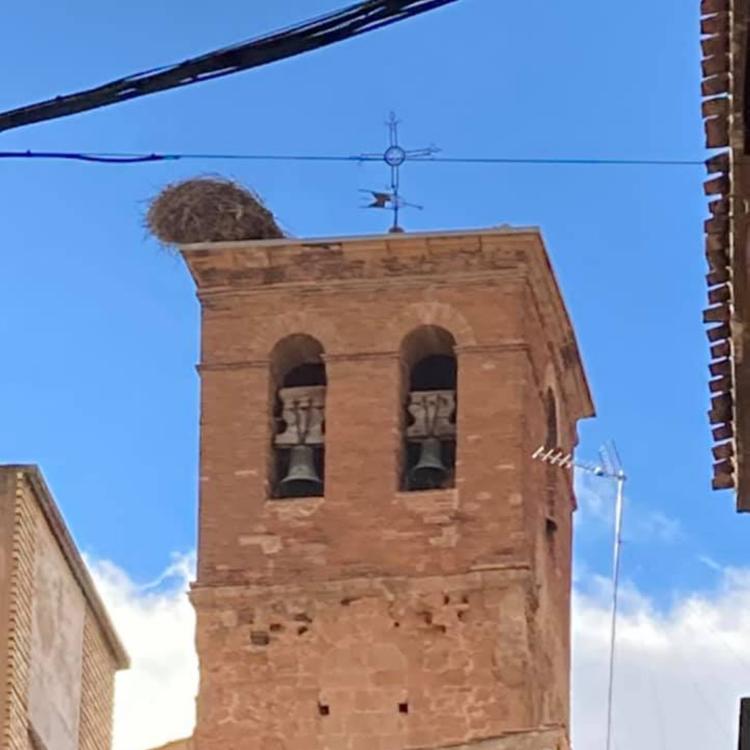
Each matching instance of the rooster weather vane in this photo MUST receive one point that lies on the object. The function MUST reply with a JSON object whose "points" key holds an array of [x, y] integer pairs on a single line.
{"points": [[395, 156]]}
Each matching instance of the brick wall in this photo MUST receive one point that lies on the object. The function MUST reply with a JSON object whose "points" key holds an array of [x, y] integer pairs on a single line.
{"points": [[552, 552], [15, 726], [97, 689], [6, 556], [375, 618]]}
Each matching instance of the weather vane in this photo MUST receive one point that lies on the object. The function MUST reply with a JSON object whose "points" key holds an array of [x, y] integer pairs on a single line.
{"points": [[395, 156]]}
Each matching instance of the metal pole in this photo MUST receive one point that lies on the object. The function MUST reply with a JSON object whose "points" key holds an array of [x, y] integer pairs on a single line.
{"points": [[612, 469], [615, 585]]}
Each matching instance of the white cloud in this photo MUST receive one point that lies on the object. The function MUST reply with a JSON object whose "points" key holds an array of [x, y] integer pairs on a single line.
{"points": [[680, 671], [155, 698], [643, 523]]}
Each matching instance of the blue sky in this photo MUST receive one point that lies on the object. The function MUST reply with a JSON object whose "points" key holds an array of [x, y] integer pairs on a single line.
{"points": [[99, 325]]}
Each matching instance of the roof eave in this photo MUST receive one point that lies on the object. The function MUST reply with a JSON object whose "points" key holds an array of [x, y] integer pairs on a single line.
{"points": [[59, 529]]}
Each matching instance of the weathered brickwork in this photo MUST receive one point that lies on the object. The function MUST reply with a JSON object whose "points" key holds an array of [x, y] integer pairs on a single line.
{"points": [[373, 617], [97, 689], [7, 511], [401, 662], [32, 535], [20, 595]]}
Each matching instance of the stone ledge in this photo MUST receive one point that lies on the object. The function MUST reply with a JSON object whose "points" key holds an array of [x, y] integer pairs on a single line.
{"points": [[484, 576], [186, 744], [544, 739]]}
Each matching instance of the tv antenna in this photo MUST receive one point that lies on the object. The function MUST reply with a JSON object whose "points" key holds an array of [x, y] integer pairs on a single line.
{"points": [[395, 156], [609, 467]]}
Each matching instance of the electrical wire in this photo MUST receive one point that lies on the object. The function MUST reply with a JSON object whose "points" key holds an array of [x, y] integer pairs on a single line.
{"points": [[708, 704], [138, 158], [73, 156], [322, 31]]}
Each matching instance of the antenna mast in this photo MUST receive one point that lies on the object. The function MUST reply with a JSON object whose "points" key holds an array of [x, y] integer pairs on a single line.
{"points": [[610, 468]]}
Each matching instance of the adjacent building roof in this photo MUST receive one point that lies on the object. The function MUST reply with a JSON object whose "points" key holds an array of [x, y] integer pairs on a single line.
{"points": [[31, 474], [725, 111]]}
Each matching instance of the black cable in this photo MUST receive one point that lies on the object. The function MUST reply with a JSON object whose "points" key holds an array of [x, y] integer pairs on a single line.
{"points": [[72, 156], [340, 25], [133, 158]]}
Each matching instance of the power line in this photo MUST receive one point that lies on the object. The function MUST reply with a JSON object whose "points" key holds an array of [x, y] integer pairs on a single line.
{"points": [[337, 26], [73, 156], [139, 158], [574, 161]]}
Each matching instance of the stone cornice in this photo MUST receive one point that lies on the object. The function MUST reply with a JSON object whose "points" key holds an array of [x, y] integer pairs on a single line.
{"points": [[264, 364], [479, 576], [389, 240], [245, 364], [288, 264], [435, 279]]}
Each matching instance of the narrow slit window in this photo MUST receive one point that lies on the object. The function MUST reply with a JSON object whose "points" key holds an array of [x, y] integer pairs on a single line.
{"points": [[551, 442], [551, 439]]}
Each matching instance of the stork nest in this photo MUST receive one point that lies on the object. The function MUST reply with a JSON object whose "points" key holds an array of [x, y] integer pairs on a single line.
{"points": [[209, 210]]}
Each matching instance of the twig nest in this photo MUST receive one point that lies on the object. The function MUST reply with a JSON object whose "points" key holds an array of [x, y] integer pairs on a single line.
{"points": [[209, 210]]}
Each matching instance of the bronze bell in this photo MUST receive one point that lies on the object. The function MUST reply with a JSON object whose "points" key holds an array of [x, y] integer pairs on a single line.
{"points": [[429, 472], [302, 479]]}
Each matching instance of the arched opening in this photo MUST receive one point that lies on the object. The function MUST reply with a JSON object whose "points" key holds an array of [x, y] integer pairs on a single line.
{"points": [[298, 381], [551, 439], [551, 442], [429, 387]]}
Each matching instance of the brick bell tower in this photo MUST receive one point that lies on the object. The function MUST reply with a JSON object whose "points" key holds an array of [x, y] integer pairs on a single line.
{"points": [[382, 565]]}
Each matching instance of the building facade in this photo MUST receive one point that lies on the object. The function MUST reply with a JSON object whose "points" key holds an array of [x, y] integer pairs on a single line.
{"points": [[382, 564], [58, 650]]}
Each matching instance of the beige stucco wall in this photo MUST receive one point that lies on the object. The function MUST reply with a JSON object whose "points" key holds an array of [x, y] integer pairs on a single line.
{"points": [[58, 614], [97, 689]]}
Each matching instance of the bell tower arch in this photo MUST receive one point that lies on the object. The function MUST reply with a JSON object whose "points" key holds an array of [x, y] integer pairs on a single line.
{"points": [[429, 385], [377, 566], [298, 381]]}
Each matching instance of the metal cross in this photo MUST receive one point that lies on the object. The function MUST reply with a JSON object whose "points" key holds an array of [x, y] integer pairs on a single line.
{"points": [[395, 156]]}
